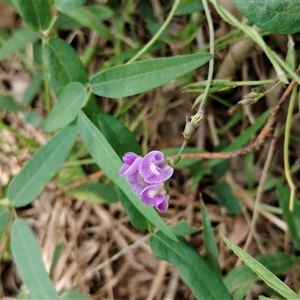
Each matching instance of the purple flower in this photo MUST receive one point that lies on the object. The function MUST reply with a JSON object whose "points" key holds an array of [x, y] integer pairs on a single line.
{"points": [[129, 158], [156, 195], [154, 168], [130, 170], [137, 182], [147, 177]]}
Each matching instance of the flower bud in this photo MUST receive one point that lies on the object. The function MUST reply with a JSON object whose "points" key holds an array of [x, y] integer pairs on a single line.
{"points": [[191, 125], [253, 96]]}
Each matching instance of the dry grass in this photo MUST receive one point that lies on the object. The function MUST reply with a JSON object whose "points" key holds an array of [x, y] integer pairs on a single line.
{"points": [[101, 253]]}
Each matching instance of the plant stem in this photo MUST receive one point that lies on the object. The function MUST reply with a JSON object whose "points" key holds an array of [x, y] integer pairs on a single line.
{"points": [[287, 169], [159, 32], [19, 135], [211, 51], [46, 97]]}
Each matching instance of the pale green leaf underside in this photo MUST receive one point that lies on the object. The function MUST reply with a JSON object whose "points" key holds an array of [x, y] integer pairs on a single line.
{"points": [[43, 165], [28, 260], [110, 163], [142, 76], [67, 108], [281, 17]]}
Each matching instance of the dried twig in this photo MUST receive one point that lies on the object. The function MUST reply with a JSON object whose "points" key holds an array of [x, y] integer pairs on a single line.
{"points": [[263, 135]]}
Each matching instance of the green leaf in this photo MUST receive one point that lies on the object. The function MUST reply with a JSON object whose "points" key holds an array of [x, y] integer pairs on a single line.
{"points": [[263, 273], [291, 218], [209, 241], [183, 228], [24, 295], [260, 297], [32, 118], [224, 196], [221, 169], [8, 104], [110, 163], [119, 137], [32, 89], [67, 5], [137, 219], [187, 7], [193, 269], [59, 249], [91, 17], [17, 42], [67, 23], [281, 17], [75, 295], [246, 135], [4, 217], [95, 192], [142, 76], [42, 166], [63, 65], [276, 263], [67, 108], [29, 262], [35, 13]]}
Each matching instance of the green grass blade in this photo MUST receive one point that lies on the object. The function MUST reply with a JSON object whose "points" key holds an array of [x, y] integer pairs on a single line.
{"points": [[263, 273], [193, 269], [30, 265], [292, 219], [209, 242], [243, 138], [42, 166], [110, 163], [224, 196], [142, 76], [276, 263]]}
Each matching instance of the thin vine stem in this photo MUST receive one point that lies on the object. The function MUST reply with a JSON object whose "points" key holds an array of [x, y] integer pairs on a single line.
{"points": [[159, 32], [211, 51], [287, 169]]}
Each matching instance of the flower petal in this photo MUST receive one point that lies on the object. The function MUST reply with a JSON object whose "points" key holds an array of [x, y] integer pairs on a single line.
{"points": [[153, 195], [129, 158], [154, 168], [163, 206], [137, 183]]}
